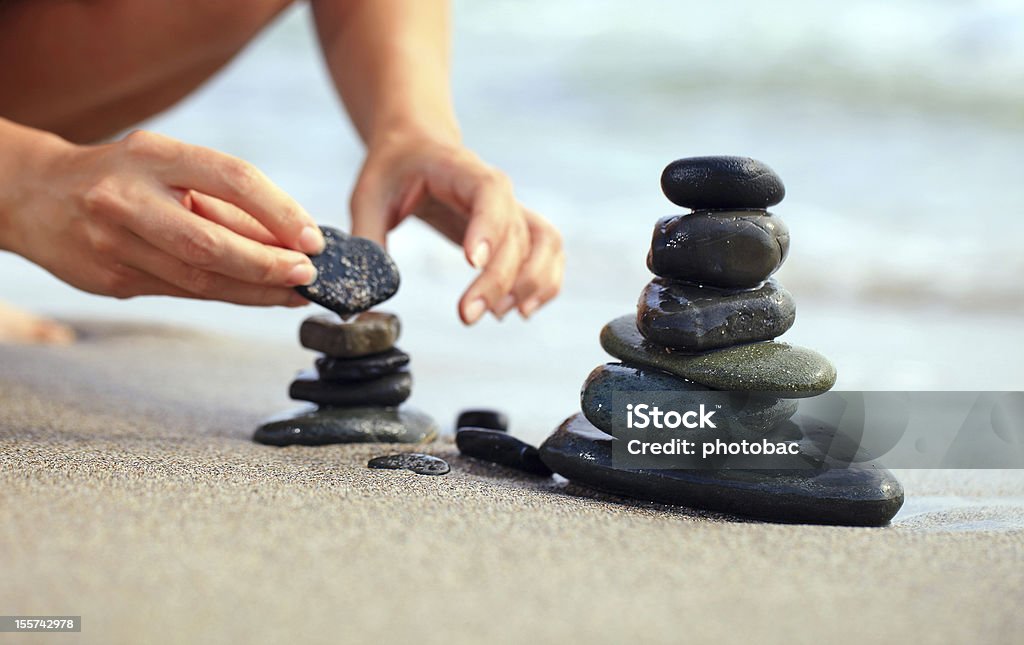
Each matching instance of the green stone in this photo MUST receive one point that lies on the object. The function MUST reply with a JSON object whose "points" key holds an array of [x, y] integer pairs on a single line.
{"points": [[781, 369]]}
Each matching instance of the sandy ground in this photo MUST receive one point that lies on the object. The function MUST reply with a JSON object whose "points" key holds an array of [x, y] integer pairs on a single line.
{"points": [[131, 495]]}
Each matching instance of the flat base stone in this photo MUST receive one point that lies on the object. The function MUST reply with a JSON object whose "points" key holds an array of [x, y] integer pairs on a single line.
{"points": [[858, 495], [353, 274], [312, 426]]}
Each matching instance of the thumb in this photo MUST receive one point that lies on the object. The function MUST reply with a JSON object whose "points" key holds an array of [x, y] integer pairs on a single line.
{"points": [[369, 206]]}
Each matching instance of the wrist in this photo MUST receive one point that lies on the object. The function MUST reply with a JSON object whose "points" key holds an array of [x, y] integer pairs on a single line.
{"points": [[399, 130], [27, 155]]}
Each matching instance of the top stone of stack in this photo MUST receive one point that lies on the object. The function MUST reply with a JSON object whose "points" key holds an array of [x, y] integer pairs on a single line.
{"points": [[721, 183]]}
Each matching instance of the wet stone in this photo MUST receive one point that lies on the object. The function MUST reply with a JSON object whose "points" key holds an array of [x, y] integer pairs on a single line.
{"points": [[388, 390], [697, 319], [418, 463], [488, 419], [312, 426], [826, 492], [749, 414], [502, 448], [353, 274], [361, 369], [726, 249], [721, 183], [368, 333], [778, 369]]}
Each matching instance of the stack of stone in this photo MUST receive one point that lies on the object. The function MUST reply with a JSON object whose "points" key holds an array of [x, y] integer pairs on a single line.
{"points": [[361, 378], [706, 322]]}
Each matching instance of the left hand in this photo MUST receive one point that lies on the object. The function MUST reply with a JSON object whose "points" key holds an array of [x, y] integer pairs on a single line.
{"points": [[446, 185]]}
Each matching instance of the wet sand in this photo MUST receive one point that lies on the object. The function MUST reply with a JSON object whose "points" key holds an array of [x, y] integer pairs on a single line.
{"points": [[131, 495]]}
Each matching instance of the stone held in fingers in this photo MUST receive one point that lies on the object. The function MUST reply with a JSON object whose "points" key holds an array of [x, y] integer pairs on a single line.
{"points": [[488, 419], [371, 332], [312, 426], [774, 368], [721, 182], [726, 249], [412, 461], [697, 319], [353, 274], [826, 492], [363, 368], [389, 390], [499, 447]]}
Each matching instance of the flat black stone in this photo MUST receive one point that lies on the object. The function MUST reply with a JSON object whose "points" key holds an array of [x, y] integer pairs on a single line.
{"points": [[312, 426], [361, 369], [388, 390], [414, 461], [779, 369], [721, 183], [726, 249], [697, 319], [858, 495], [502, 448], [488, 419], [371, 332], [746, 411], [353, 274]]}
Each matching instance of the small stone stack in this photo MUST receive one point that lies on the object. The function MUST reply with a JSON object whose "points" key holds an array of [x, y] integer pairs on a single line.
{"points": [[361, 378], [707, 322]]}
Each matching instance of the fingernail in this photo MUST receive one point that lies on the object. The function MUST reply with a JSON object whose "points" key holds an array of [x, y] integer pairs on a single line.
{"points": [[481, 254], [475, 310], [311, 241], [506, 303], [301, 274], [529, 307]]}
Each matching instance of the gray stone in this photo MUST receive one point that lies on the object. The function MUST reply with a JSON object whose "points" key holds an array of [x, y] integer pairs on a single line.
{"points": [[388, 390], [353, 274], [363, 368], [499, 447], [749, 414], [696, 319], [368, 333], [312, 426], [727, 249], [721, 182], [773, 368], [412, 461], [825, 492]]}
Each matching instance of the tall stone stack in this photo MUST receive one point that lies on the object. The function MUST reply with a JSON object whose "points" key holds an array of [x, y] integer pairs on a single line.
{"points": [[707, 322]]}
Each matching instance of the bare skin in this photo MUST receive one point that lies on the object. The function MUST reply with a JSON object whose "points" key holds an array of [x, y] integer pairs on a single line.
{"points": [[148, 215]]}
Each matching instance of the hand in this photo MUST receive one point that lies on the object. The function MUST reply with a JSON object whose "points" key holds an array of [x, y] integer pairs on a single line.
{"points": [[470, 203], [149, 215]]}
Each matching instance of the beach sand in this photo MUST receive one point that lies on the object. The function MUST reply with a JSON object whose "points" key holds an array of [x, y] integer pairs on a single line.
{"points": [[131, 495]]}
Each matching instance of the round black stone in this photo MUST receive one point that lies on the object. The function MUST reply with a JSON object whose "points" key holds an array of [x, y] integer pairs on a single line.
{"points": [[361, 369], [387, 390], [489, 419], [721, 183]]}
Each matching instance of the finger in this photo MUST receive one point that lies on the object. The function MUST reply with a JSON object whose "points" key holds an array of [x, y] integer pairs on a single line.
{"points": [[171, 276], [489, 290], [540, 276], [166, 224], [230, 217], [234, 181], [369, 206]]}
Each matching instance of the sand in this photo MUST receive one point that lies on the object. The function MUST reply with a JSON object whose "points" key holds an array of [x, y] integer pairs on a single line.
{"points": [[131, 495]]}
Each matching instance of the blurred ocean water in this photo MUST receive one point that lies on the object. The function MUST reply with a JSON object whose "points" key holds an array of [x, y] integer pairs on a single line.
{"points": [[898, 128]]}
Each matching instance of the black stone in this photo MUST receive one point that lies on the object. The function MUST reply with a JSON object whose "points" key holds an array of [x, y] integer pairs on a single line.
{"points": [[312, 426], [502, 448], [361, 369], [721, 183], [488, 419], [353, 274], [371, 332], [697, 319], [726, 249], [387, 390], [414, 461], [858, 495], [745, 410]]}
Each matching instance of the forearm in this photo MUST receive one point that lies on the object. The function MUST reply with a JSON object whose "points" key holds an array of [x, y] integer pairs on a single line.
{"points": [[390, 63], [21, 149]]}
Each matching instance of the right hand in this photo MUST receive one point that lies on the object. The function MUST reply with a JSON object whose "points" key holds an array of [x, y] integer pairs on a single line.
{"points": [[149, 215]]}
